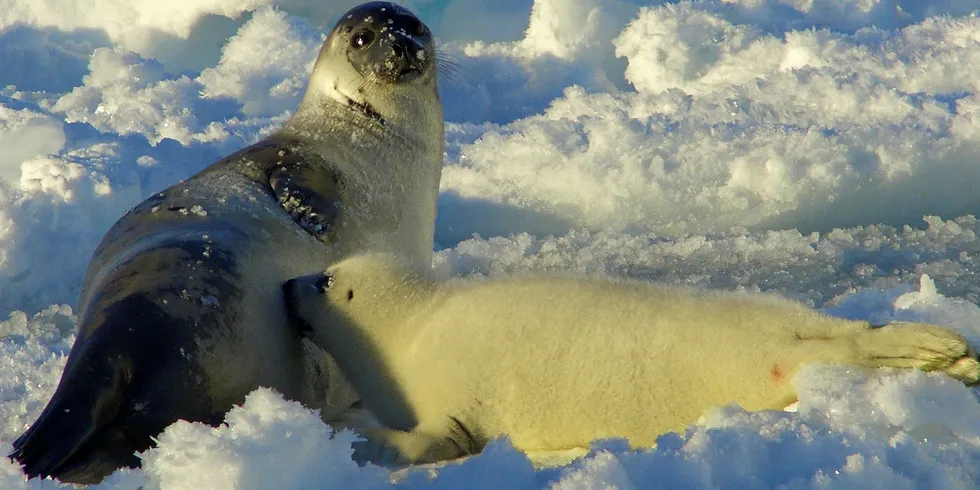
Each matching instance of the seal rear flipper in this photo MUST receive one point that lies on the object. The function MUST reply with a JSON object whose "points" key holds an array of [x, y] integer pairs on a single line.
{"points": [[73, 419], [53, 440], [106, 451]]}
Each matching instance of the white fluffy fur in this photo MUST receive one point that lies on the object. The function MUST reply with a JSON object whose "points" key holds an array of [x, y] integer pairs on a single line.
{"points": [[556, 362]]}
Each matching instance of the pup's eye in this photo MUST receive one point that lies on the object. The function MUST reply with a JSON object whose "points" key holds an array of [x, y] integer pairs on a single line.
{"points": [[362, 39], [350, 294]]}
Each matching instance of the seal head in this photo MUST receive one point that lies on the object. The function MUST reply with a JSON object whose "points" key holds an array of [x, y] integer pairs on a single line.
{"points": [[386, 41], [377, 46]]}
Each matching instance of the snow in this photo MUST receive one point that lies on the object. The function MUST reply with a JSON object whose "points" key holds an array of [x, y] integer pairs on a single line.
{"points": [[825, 150]]}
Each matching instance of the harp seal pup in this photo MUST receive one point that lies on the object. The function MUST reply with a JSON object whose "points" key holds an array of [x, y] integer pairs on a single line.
{"points": [[181, 312], [556, 362]]}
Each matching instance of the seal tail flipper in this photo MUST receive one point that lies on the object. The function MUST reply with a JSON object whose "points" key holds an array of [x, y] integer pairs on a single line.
{"points": [[73, 419], [898, 345], [108, 450]]}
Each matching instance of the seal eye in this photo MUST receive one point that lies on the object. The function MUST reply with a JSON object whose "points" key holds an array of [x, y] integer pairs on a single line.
{"points": [[416, 28], [362, 39], [350, 294]]}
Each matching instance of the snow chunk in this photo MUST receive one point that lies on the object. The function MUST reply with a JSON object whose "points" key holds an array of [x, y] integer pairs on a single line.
{"points": [[672, 45], [149, 27], [837, 137], [124, 93], [564, 28], [267, 442], [926, 295], [25, 134], [61, 209], [265, 65], [33, 351]]}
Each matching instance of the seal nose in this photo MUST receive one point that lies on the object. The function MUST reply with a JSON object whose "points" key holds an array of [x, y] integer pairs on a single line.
{"points": [[408, 56], [406, 48]]}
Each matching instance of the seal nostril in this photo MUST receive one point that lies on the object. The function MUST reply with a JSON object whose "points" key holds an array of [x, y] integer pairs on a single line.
{"points": [[398, 50]]}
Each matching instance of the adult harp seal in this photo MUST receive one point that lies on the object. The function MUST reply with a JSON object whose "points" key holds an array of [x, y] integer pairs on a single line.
{"points": [[181, 313]]}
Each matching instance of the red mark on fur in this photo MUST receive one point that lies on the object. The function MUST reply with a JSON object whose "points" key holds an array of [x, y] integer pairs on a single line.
{"points": [[776, 374]]}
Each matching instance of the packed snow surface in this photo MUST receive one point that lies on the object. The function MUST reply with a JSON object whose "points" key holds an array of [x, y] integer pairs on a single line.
{"points": [[826, 150]]}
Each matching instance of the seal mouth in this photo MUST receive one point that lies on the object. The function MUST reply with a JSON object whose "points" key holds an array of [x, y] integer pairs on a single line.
{"points": [[408, 74], [365, 109]]}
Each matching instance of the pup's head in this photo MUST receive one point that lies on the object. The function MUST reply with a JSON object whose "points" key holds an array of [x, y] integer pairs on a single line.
{"points": [[364, 288]]}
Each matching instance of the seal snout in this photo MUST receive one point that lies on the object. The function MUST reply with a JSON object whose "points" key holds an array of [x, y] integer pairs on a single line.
{"points": [[409, 59], [404, 57]]}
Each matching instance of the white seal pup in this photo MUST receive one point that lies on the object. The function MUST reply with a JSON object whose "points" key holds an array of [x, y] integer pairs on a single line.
{"points": [[556, 362], [181, 313]]}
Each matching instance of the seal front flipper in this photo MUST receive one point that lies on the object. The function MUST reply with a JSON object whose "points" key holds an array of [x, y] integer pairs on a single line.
{"points": [[390, 446], [303, 182], [310, 193]]}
